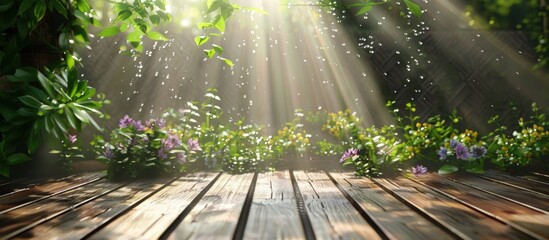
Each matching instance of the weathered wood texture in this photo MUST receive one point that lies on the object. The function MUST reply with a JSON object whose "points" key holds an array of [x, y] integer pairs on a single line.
{"points": [[278, 205], [397, 219], [152, 217], [331, 214], [273, 212], [217, 213]]}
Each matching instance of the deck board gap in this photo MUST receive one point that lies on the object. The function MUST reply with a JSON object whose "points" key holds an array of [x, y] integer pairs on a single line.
{"points": [[497, 195], [53, 195], [302, 209], [383, 233], [127, 209], [243, 219], [512, 185], [186, 211], [59, 213], [482, 211], [445, 227]]}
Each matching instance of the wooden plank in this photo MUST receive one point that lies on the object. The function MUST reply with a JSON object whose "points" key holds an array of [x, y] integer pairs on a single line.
{"points": [[21, 184], [543, 175], [537, 178], [82, 221], [7, 181], [152, 217], [462, 220], [274, 204], [217, 214], [523, 197], [516, 182], [24, 218], [332, 215], [399, 220], [31, 194], [491, 205]]}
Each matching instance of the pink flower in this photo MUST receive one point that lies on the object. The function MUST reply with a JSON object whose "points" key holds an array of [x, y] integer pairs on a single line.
{"points": [[72, 138], [194, 145], [351, 152]]}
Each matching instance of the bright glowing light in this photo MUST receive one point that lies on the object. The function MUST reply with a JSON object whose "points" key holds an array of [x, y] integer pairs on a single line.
{"points": [[295, 57]]}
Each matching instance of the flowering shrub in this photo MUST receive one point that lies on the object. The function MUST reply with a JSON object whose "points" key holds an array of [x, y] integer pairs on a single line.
{"points": [[378, 150], [457, 155], [199, 137], [135, 149], [522, 146], [292, 138]]}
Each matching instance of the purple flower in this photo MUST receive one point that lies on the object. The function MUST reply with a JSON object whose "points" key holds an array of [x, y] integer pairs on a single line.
{"points": [[454, 143], [137, 125], [462, 152], [125, 121], [72, 138], [108, 153], [478, 152], [419, 170], [351, 152], [171, 142], [162, 154], [443, 153], [194, 145], [159, 122], [181, 157]]}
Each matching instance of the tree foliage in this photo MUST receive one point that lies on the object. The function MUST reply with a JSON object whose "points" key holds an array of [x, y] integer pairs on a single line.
{"points": [[530, 16]]}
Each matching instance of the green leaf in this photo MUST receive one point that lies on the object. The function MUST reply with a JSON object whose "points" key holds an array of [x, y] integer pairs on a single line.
{"points": [[220, 24], [156, 36], [218, 49], [227, 61], [83, 5], [413, 7], [61, 125], [40, 10], [28, 112], [30, 101], [6, 5], [69, 60], [4, 170], [209, 52], [109, 31], [24, 74], [199, 40], [364, 10], [69, 114], [25, 5], [134, 37], [58, 6], [83, 116], [33, 141], [447, 169], [213, 5], [17, 158], [155, 19], [478, 170], [123, 15]]}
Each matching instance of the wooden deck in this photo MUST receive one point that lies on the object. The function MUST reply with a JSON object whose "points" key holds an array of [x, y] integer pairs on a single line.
{"points": [[279, 205]]}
